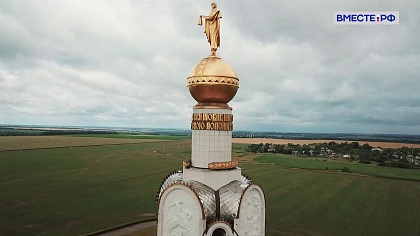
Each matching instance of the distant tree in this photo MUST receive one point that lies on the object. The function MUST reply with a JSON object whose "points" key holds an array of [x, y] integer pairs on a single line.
{"points": [[254, 147], [316, 152], [346, 169], [354, 145], [288, 151], [366, 146], [375, 156], [279, 148], [266, 147], [306, 149], [331, 143]]}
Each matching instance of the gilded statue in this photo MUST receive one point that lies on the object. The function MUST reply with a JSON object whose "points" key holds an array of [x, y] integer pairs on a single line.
{"points": [[212, 27]]}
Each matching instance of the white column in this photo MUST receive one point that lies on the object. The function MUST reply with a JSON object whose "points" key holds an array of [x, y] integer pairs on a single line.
{"points": [[211, 145]]}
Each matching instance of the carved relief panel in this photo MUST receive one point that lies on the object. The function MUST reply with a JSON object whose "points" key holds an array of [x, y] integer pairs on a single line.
{"points": [[251, 220], [180, 212]]}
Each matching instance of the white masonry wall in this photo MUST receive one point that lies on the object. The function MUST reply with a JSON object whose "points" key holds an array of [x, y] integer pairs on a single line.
{"points": [[211, 145]]}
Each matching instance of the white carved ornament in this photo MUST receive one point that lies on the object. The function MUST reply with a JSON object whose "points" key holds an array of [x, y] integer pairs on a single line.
{"points": [[181, 214], [251, 214]]}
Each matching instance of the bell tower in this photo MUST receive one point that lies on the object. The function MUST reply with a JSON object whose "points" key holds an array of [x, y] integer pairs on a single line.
{"points": [[210, 196]]}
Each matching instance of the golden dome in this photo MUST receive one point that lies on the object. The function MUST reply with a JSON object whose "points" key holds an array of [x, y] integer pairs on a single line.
{"points": [[213, 80]]}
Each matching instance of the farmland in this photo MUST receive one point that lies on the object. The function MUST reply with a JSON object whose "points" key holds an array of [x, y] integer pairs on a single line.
{"points": [[84, 189], [323, 164], [302, 142], [311, 203], [42, 142]]}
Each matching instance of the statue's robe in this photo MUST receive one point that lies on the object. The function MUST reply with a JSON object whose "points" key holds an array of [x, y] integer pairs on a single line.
{"points": [[212, 29]]}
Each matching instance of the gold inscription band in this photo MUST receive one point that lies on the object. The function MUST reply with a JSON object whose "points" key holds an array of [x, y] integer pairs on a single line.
{"points": [[212, 121], [209, 125], [212, 117]]}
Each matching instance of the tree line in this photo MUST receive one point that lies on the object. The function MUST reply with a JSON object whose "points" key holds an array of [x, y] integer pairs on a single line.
{"points": [[404, 157]]}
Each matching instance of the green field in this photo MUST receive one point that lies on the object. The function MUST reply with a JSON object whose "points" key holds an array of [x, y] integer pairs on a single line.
{"points": [[313, 203], [291, 161], [71, 191], [8, 143], [139, 136], [79, 190]]}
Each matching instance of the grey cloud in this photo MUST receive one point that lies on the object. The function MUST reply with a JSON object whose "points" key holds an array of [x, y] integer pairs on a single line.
{"points": [[125, 63]]}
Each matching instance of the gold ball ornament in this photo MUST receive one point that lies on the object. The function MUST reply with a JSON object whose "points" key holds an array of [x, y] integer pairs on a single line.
{"points": [[213, 82]]}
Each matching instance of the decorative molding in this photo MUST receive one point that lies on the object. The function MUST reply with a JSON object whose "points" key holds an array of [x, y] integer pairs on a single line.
{"points": [[186, 163], [212, 105], [211, 80], [223, 165], [170, 179], [220, 224]]}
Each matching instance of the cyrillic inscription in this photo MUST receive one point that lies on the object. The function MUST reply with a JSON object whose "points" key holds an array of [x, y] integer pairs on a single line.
{"points": [[212, 121]]}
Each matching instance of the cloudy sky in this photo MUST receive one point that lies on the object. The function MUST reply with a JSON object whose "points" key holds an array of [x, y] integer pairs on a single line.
{"points": [[124, 64]]}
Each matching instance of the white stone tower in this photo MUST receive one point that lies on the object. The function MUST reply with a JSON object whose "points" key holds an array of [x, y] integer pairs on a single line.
{"points": [[210, 196]]}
